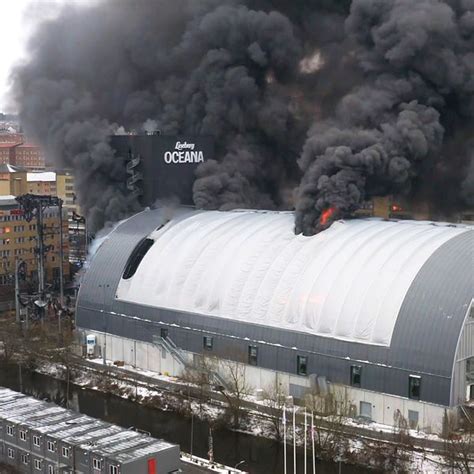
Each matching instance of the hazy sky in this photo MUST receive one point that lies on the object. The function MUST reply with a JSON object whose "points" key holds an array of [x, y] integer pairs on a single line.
{"points": [[19, 18]]}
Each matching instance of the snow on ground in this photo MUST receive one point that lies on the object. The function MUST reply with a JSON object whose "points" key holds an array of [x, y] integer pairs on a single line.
{"points": [[255, 423], [213, 467]]}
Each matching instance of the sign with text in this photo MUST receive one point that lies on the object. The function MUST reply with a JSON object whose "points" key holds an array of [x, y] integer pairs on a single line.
{"points": [[162, 166]]}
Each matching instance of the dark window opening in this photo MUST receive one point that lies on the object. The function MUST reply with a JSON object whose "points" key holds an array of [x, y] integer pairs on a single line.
{"points": [[414, 387], [253, 355], [207, 343], [302, 365], [164, 333], [356, 372], [137, 256]]}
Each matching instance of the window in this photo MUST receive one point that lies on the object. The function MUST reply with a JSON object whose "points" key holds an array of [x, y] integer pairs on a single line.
{"points": [[365, 409], [414, 387], [50, 469], [38, 464], [11, 453], [24, 458], [113, 470], [51, 447], [65, 452], [356, 371], [413, 419], [207, 342], [23, 435], [37, 441], [302, 365], [9, 430], [253, 355], [96, 464]]}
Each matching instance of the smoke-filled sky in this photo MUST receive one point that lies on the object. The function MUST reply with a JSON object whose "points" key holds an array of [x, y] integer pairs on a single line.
{"points": [[313, 104]]}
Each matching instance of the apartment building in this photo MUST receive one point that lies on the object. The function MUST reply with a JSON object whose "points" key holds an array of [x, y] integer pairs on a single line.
{"points": [[19, 240]]}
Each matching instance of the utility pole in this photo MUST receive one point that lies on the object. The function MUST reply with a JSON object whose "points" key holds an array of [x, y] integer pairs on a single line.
{"points": [[40, 229], [33, 206], [17, 292], [61, 256]]}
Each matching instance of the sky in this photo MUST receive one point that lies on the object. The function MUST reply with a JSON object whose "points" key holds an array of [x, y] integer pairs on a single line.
{"points": [[19, 18]]}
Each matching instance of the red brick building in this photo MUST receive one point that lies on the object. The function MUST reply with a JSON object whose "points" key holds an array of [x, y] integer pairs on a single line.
{"points": [[24, 155], [28, 156], [6, 153]]}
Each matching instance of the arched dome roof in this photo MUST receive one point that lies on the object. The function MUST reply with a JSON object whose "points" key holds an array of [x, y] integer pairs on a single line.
{"points": [[348, 282]]}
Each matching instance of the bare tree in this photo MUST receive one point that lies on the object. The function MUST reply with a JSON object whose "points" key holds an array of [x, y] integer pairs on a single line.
{"points": [[402, 428], [331, 409], [235, 390], [275, 396], [10, 337], [459, 444]]}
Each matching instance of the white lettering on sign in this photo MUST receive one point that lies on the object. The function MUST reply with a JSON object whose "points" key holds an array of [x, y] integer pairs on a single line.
{"points": [[184, 146], [184, 153], [183, 157]]}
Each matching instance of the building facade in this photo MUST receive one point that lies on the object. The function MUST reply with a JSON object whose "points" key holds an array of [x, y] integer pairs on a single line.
{"points": [[15, 181], [39, 437], [398, 207], [19, 241], [24, 155], [378, 310]]}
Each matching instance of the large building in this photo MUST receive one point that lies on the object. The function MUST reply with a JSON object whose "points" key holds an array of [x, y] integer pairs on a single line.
{"points": [[15, 181], [24, 155], [40, 437], [162, 166], [378, 310], [19, 241], [398, 207]]}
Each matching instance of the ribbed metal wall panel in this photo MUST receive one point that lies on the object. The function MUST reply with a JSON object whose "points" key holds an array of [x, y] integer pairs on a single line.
{"points": [[424, 339]]}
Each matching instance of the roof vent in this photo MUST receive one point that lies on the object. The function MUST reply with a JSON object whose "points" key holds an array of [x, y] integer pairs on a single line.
{"points": [[136, 257]]}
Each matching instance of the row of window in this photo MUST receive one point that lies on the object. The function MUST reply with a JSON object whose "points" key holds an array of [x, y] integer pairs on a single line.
{"points": [[38, 463], [252, 356], [25, 459], [12, 217], [17, 240], [414, 381]]}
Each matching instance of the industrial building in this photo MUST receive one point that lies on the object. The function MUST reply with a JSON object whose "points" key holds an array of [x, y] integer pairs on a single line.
{"points": [[378, 310], [40, 437]]}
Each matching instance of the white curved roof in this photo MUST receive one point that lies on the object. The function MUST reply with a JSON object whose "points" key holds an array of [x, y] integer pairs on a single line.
{"points": [[347, 282]]}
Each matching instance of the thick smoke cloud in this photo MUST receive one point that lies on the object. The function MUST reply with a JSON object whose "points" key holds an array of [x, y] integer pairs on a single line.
{"points": [[393, 129], [338, 100]]}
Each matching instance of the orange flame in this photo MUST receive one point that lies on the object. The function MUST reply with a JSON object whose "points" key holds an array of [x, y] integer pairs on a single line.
{"points": [[326, 215]]}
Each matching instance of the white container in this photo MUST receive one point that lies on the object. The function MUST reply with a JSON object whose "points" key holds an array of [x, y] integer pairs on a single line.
{"points": [[90, 343]]}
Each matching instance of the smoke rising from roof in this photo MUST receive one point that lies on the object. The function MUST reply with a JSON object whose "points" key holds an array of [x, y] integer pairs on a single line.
{"points": [[338, 100]]}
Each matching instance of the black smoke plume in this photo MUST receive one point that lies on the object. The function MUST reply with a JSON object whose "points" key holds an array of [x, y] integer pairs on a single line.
{"points": [[338, 100]]}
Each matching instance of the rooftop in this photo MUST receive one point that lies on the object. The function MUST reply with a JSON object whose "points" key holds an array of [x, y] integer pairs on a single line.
{"points": [[41, 176], [346, 283], [75, 429], [8, 168]]}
